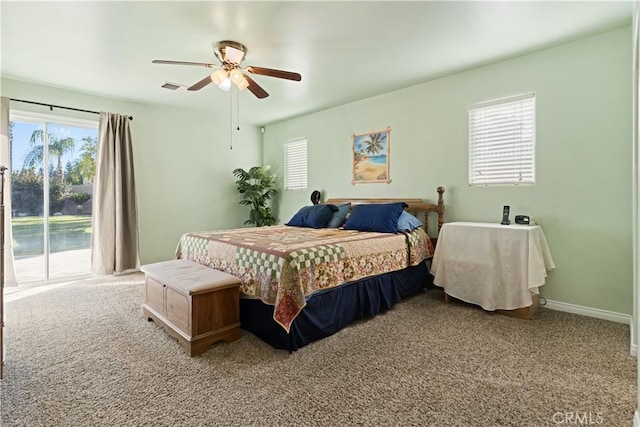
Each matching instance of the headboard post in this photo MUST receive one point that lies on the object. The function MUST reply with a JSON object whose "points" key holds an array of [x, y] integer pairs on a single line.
{"points": [[440, 191]]}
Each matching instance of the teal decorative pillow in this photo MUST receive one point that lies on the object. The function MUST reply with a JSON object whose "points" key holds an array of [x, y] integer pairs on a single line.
{"points": [[339, 216], [408, 222]]}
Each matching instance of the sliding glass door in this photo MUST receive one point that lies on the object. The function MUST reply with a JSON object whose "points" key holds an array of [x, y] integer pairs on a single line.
{"points": [[52, 170]]}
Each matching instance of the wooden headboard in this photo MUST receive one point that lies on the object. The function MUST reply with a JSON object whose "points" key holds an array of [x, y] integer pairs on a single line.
{"points": [[416, 206]]}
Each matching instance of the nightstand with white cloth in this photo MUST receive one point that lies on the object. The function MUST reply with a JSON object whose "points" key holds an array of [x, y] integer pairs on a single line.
{"points": [[498, 267]]}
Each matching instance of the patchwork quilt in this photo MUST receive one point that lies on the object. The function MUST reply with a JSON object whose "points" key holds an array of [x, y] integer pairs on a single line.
{"points": [[284, 265]]}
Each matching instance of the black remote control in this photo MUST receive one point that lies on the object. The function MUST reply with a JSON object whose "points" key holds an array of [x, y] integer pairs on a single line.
{"points": [[505, 216]]}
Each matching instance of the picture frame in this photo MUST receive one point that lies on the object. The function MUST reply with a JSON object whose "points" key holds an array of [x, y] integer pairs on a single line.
{"points": [[370, 157]]}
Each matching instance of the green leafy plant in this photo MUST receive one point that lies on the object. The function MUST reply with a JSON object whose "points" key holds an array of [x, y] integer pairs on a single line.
{"points": [[256, 186], [79, 198]]}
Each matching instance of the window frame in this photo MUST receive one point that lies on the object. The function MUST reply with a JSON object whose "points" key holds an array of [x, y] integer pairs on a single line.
{"points": [[300, 171], [520, 153], [45, 121]]}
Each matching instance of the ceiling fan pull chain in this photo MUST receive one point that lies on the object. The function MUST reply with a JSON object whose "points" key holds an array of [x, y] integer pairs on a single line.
{"points": [[238, 109], [230, 121]]}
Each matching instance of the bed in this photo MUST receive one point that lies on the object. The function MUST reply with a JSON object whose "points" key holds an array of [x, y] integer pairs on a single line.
{"points": [[301, 284]]}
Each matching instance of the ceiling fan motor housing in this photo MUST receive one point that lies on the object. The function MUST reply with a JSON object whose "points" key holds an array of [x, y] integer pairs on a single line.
{"points": [[230, 52]]}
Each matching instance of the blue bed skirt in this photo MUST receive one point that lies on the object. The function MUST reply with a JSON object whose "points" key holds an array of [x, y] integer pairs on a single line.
{"points": [[329, 311]]}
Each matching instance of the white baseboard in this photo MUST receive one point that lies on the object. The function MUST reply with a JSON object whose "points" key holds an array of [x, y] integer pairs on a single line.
{"points": [[598, 314], [636, 419], [589, 312], [634, 346]]}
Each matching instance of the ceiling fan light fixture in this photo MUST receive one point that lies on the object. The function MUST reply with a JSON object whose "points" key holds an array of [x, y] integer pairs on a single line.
{"points": [[242, 84], [217, 77], [225, 84], [236, 75]]}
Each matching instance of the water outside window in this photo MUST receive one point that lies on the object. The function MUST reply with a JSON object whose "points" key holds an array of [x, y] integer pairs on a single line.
{"points": [[53, 157]]}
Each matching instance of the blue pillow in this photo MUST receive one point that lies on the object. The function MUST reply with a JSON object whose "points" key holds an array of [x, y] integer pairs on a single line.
{"points": [[316, 216], [408, 222], [382, 218], [338, 216]]}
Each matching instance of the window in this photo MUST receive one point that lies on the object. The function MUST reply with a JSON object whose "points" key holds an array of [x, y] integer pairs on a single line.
{"points": [[502, 138], [295, 164]]}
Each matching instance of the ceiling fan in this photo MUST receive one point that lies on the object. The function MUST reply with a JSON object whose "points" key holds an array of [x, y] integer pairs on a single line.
{"points": [[231, 54]]}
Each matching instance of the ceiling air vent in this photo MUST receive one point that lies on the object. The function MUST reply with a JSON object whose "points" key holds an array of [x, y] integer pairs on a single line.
{"points": [[171, 86]]}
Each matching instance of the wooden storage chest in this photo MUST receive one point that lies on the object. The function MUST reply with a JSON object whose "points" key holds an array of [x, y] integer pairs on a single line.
{"points": [[193, 303]]}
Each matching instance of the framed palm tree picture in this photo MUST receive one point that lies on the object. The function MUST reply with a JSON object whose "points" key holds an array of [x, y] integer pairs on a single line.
{"points": [[371, 157]]}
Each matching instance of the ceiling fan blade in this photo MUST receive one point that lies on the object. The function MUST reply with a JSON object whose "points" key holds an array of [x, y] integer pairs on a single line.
{"points": [[202, 83], [199, 64], [289, 75], [255, 88]]}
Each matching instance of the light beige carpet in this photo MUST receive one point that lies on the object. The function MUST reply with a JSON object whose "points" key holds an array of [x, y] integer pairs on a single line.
{"points": [[83, 355]]}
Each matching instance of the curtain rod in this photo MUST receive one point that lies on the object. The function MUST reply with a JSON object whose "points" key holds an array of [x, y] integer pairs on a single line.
{"points": [[51, 106]]}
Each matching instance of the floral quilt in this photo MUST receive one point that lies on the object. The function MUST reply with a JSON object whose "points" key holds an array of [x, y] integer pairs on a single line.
{"points": [[284, 265]]}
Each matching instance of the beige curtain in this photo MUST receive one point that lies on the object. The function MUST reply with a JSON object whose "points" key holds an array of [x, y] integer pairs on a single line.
{"points": [[115, 212], [5, 160]]}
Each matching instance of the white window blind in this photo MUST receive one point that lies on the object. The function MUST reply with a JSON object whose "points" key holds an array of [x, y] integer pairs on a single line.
{"points": [[295, 165], [502, 137]]}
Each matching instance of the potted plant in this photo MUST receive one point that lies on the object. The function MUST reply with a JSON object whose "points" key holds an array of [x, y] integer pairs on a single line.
{"points": [[256, 186]]}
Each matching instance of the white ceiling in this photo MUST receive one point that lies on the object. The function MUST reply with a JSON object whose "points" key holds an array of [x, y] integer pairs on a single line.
{"points": [[345, 51]]}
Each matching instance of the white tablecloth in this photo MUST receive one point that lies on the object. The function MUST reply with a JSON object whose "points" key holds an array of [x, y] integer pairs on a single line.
{"points": [[495, 266]]}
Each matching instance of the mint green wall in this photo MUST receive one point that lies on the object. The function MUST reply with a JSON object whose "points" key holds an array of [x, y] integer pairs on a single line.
{"points": [[182, 163], [582, 197]]}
